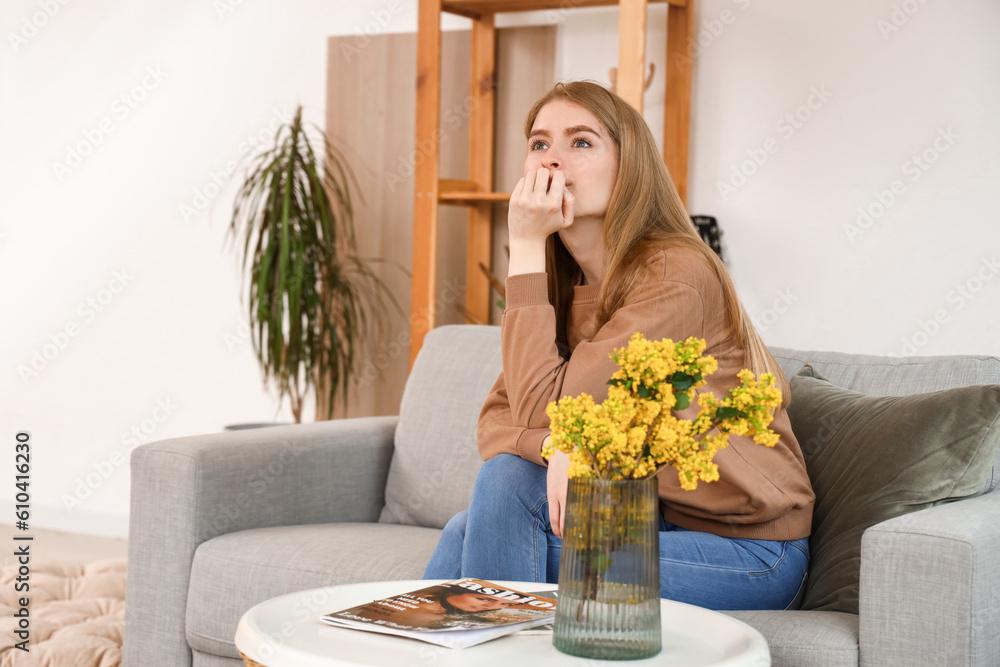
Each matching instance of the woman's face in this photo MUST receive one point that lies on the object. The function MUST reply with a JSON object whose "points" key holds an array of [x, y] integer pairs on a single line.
{"points": [[477, 602], [567, 137]]}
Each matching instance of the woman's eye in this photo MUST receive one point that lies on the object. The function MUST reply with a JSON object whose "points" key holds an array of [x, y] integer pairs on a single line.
{"points": [[536, 144], [576, 143]]}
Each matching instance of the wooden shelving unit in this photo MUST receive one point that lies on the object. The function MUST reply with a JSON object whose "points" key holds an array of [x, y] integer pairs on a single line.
{"points": [[430, 191]]}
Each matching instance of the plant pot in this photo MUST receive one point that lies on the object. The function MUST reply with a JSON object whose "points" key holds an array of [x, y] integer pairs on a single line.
{"points": [[609, 575]]}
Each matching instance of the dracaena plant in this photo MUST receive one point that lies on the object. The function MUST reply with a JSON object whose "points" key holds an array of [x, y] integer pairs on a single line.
{"points": [[314, 303]]}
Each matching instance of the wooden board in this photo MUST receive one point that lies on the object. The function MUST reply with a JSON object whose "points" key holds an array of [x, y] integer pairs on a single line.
{"points": [[474, 8], [630, 83], [677, 108], [481, 86], [370, 115], [526, 66]]}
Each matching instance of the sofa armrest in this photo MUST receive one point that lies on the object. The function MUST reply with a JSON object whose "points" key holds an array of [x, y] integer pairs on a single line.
{"points": [[930, 586], [186, 491]]}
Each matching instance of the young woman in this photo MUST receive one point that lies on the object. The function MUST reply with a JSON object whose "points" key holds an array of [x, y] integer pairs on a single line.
{"points": [[600, 247]]}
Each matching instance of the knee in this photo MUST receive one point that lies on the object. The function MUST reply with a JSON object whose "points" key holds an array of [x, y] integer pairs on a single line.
{"points": [[506, 478], [504, 472], [455, 528]]}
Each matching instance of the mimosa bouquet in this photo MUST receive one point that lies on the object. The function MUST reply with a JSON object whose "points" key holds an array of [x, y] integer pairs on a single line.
{"points": [[634, 433]]}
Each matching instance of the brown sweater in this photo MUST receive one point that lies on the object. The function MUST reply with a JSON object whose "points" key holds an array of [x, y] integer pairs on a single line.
{"points": [[762, 493]]}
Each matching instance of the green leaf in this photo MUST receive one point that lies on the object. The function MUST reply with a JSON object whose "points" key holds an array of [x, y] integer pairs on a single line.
{"points": [[682, 401], [729, 413], [616, 382], [644, 391], [682, 381], [598, 562]]}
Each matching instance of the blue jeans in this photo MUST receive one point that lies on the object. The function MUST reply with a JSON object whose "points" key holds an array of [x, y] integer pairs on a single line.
{"points": [[505, 535]]}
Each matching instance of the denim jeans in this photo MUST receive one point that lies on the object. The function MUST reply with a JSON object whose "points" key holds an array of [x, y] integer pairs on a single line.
{"points": [[505, 535]]}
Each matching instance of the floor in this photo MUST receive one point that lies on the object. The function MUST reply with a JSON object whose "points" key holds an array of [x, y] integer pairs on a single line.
{"points": [[62, 546]]}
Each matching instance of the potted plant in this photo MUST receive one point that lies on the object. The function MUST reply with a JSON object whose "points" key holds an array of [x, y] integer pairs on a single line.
{"points": [[314, 304]]}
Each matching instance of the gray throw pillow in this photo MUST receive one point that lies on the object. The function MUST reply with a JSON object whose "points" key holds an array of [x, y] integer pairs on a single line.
{"points": [[874, 458]]}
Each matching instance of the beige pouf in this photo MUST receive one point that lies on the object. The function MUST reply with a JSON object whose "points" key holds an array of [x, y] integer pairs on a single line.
{"points": [[77, 614]]}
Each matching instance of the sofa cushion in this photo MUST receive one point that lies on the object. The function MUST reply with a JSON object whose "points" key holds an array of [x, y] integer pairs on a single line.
{"points": [[436, 460], [873, 458], [806, 638], [233, 572], [892, 376], [897, 376]]}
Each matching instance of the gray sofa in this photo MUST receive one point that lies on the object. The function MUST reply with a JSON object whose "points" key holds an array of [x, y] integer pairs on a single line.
{"points": [[221, 522]]}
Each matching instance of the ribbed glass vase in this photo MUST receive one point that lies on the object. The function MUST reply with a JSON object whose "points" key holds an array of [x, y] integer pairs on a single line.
{"points": [[609, 575]]}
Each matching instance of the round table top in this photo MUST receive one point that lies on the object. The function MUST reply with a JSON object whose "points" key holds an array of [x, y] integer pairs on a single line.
{"points": [[287, 631]]}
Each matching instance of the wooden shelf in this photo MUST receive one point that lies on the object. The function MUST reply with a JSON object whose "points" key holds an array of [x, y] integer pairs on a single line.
{"points": [[431, 191], [472, 198], [466, 192], [476, 8]]}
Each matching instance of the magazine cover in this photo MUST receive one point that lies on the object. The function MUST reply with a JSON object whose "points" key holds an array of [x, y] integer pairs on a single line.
{"points": [[456, 614]]}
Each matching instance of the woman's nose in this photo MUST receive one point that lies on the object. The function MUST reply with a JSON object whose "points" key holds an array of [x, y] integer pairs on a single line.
{"points": [[552, 158]]}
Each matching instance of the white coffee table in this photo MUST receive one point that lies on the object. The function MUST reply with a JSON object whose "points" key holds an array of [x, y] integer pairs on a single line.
{"points": [[287, 632]]}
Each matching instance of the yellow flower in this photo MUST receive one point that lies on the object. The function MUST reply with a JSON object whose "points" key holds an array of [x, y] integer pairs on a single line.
{"points": [[634, 432]]}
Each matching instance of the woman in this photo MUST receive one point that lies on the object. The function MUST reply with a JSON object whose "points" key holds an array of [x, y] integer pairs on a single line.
{"points": [[600, 247]]}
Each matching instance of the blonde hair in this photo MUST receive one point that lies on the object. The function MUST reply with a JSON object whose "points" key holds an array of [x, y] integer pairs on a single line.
{"points": [[644, 210]]}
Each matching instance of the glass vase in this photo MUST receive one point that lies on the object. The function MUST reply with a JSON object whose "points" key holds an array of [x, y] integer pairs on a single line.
{"points": [[609, 574]]}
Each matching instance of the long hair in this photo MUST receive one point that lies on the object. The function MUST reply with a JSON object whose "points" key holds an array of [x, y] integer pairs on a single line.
{"points": [[644, 211]]}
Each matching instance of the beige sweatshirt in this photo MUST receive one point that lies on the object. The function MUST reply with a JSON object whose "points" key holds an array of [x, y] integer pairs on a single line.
{"points": [[762, 492]]}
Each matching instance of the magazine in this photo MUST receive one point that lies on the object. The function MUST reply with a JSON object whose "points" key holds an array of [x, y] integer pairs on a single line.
{"points": [[455, 614], [545, 628]]}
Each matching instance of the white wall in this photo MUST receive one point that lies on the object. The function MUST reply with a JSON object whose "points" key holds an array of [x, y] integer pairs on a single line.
{"points": [[164, 353], [889, 80]]}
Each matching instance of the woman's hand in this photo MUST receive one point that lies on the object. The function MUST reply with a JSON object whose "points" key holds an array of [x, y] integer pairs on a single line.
{"points": [[538, 208], [557, 482]]}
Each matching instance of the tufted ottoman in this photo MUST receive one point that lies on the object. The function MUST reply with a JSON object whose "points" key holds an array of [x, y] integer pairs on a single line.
{"points": [[77, 614]]}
